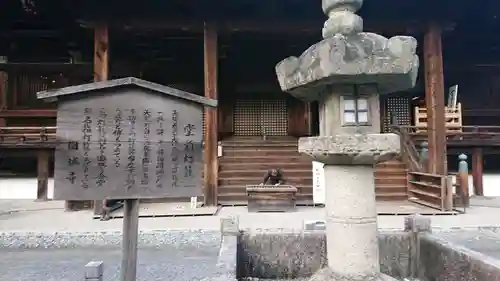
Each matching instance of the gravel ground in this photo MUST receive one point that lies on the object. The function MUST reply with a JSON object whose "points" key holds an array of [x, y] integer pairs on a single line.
{"points": [[165, 263]]}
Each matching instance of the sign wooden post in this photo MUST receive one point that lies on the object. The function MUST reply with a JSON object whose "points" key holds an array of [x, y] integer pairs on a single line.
{"points": [[129, 242], [127, 139]]}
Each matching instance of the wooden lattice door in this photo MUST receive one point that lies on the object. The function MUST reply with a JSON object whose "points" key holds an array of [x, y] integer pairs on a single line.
{"points": [[259, 117], [396, 109]]}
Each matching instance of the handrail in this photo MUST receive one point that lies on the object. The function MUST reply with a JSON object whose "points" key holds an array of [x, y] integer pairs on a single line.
{"points": [[457, 131], [408, 150]]}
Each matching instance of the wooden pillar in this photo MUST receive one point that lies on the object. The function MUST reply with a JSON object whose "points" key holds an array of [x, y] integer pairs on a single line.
{"points": [[42, 174], [434, 98], [101, 53], [3, 91], [477, 171], [210, 138], [101, 70]]}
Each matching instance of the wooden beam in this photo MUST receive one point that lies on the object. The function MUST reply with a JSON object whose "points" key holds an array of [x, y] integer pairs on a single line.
{"points": [[101, 69], [477, 171], [434, 98], [210, 138], [263, 26], [27, 113], [3, 91], [42, 174], [101, 53]]}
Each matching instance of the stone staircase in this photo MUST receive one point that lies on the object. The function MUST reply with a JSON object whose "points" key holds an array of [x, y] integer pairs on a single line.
{"points": [[245, 161]]}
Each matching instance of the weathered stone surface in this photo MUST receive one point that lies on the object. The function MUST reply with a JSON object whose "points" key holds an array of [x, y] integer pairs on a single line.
{"points": [[285, 255], [361, 58], [359, 149], [467, 257], [341, 17], [326, 274]]}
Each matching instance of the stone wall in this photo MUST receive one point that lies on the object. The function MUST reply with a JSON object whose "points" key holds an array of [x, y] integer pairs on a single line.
{"points": [[441, 261], [292, 255]]}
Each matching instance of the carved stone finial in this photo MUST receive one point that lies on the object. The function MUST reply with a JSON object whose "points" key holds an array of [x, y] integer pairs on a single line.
{"points": [[341, 17]]}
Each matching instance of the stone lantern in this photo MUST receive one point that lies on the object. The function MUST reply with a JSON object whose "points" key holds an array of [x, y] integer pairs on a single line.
{"points": [[346, 72]]}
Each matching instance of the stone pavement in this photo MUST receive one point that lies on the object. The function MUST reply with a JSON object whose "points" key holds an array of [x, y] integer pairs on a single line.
{"points": [[29, 216], [166, 263]]}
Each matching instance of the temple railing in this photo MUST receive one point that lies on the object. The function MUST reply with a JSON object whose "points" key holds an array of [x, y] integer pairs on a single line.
{"points": [[409, 153]]}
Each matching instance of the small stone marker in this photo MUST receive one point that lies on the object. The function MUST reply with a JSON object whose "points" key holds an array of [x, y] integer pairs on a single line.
{"points": [[315, 225], [94, 271], [229, 226], [417, 223]]}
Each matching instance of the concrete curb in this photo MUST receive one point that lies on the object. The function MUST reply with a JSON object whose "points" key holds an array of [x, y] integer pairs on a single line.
{"points": [[153, 238]]}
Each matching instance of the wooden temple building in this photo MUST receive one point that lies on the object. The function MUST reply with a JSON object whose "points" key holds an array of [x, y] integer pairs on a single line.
{"points": [[227, 50]]}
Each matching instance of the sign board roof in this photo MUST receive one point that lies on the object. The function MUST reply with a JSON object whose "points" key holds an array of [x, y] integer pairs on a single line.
{"points": [[53, 95]]}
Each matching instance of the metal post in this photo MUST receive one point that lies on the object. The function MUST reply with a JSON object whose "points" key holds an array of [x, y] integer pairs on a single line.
{"points": [[424, 154], [129, 243]]}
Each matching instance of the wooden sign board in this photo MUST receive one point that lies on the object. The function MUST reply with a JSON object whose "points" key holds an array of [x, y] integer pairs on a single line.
{"points": [[452, 97], [127, 139]]}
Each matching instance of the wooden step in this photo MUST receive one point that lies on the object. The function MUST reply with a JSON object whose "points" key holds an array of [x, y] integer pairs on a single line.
{"points": [[259, 152], [390, 180], [391, 196], [302, 189], [265, 166], [285, 145], [225, 197], [257, 180], [253, 173], [264, 159], [391, 164], [384, 188]]}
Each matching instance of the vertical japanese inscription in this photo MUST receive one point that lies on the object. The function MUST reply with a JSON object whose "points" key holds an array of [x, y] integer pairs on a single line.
{"points": [[117, 133], [160, 150], [175, 151], [86, 141], [72, 161], [101, 177], [146, 156], [131, 168], [189, 130]]}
